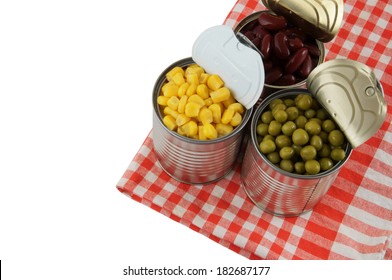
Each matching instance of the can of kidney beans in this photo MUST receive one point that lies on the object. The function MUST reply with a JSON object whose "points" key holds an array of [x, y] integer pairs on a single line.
{"points": [[291, 39], [353, 98]]}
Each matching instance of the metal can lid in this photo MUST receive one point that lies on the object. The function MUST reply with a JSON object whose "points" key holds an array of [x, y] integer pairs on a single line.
{"points": [[219, 51], [352, 95], [320, 18]]}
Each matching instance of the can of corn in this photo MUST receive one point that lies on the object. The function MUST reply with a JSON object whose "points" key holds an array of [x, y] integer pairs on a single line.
{"points": [[307, 27], [196, 161], [353, 98]]}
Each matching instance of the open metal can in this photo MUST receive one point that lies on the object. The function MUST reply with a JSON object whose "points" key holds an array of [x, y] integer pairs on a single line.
{"points": [[193, 161], [317, 23], [353, 97]]}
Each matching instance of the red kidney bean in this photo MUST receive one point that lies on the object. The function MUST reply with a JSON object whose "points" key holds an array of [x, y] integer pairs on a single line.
{"points": [[296, 60], [313, 49], [260, 32], [286, 80], [281, 48], [272, 22], [295, 44], [266, 46], [306, 67], [268, 64], [273, 75], [293, 32], [256, 41], [249, 34]]}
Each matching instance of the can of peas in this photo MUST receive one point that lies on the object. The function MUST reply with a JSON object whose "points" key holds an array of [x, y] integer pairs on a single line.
{"points": [[301, 138], [291, 38], [202, 105]]}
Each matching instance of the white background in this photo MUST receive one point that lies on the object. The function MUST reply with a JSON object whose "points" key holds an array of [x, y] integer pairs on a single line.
{"points": [[76, 80]]}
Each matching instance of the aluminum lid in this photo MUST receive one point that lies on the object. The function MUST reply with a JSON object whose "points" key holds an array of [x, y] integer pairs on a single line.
{"points": [[321, 18], [219, 51], [352, 95]]}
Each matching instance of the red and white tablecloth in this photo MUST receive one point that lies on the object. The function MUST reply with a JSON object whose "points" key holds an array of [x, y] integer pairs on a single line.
{"points": [[352, 221]]}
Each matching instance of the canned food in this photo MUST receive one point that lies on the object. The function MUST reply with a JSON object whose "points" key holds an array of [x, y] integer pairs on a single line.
{"points": [[290, 39], [190, 160], [274, 189], [353, 98]]}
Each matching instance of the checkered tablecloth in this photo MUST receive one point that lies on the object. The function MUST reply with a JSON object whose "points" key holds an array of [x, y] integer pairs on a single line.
{"points": [[352, 221]]}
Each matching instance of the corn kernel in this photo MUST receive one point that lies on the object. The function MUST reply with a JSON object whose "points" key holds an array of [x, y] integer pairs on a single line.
{"points": [[220, 95], [182, 119], [190, 128], [202, 91], [216, 113], [182, 103], [194, 69], [208, 102], [191, 89], [210, 131], [205, 115], [223, 129], [162, 100], [192, 78], [174, 71], [169, 122], [237, 107], [214, 82], [165, 85], [178, 79], [171, 90], [236, 120], [180, 131], [227, 116], [192, 109], [202, 136], [204, 78], [173, 102], [182, 89], [229, 101], [196, 99], [171, 112]]}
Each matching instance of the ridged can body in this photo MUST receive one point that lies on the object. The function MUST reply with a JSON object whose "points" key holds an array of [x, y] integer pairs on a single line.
{"points": [[189, 160], [275, 190]]}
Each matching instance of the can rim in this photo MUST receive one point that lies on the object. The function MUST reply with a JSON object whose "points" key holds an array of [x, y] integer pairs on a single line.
{"points": [[256, 117], [156, 91]]}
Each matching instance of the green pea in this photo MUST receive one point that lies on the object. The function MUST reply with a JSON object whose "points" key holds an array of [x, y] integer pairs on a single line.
{"points": [[286, 152], [322, 114], [308, 152], [274, 157], [289, 102], [262, 129], [336, 137], [316, 142], [299, 167], [267, 146], [310, 113], [325, 151], [292, 113], [270, 137], [280, 116], [328, 125], [312, 166], [304, 102], [300, 137], [282, 141], [288, 128], [275, 102], [324, 136], [312, 128], [338, 154], [300, 121], [287, 165], [325, 164], [267, 117], [274, 128]]}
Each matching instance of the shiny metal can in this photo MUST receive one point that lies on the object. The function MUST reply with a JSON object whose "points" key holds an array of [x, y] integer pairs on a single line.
{"points": [[189, 160], [275, 190], [319, 20]]}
